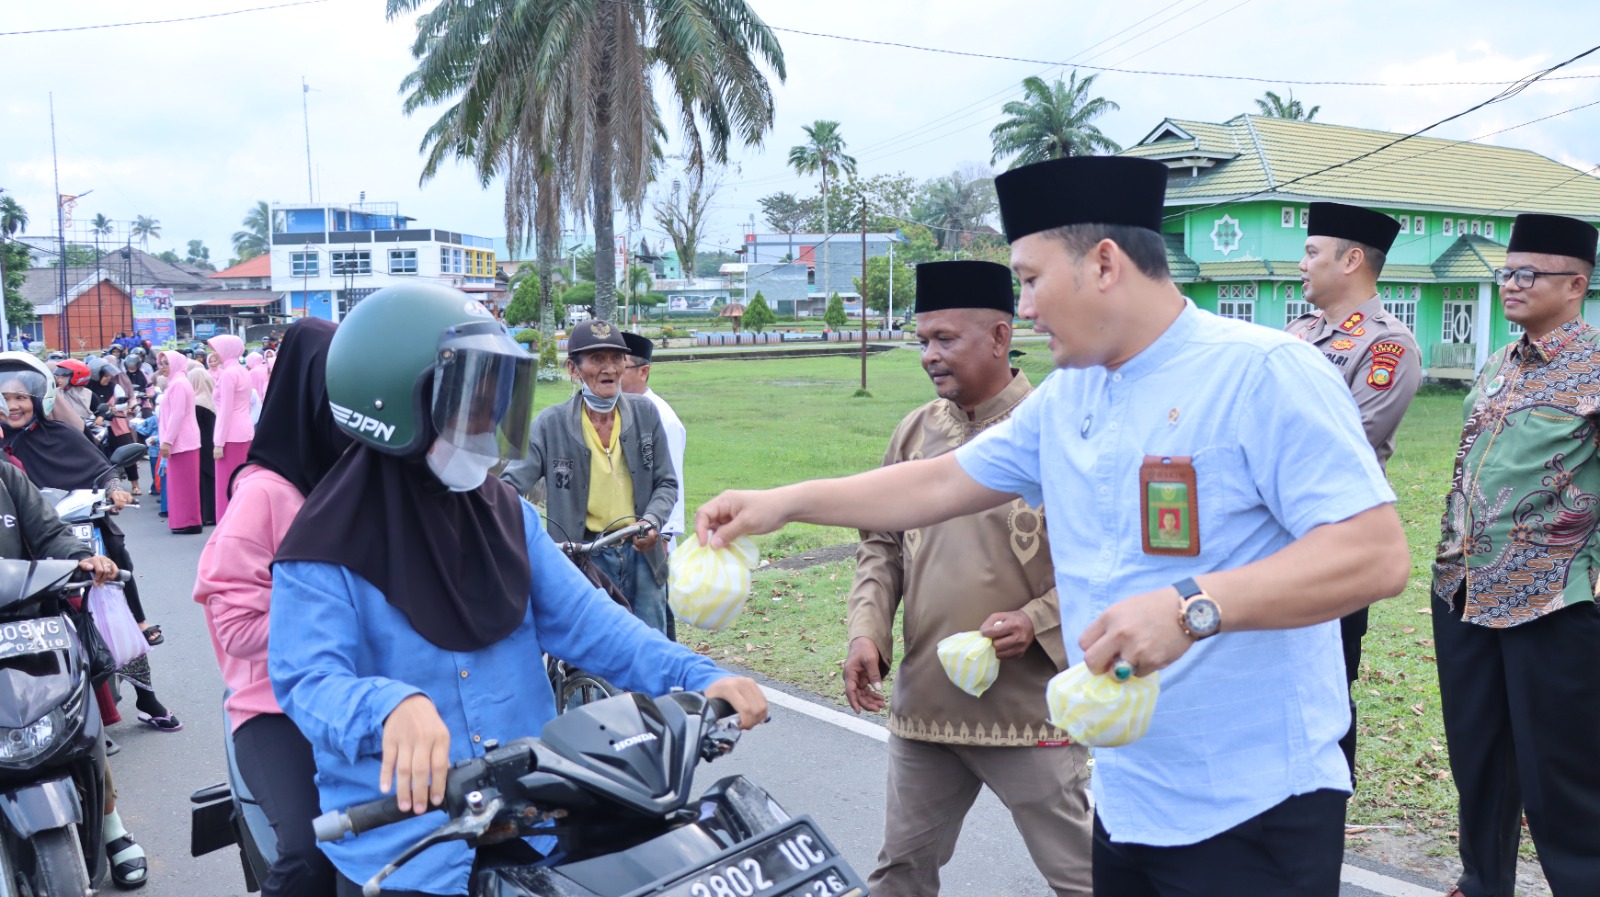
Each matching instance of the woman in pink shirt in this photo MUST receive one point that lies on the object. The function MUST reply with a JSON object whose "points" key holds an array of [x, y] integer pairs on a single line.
{"points": [[300, 443], [255, 365], [231, 441], [180, 445]]}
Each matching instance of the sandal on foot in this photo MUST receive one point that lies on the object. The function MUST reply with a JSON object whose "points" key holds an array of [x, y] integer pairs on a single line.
{"points": [[132, 871], [112, 748], [136, 489], [152, 634], [168, 723]]}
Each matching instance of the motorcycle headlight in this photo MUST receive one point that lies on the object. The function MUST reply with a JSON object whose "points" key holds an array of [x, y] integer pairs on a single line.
{"points": [[28, 742]]}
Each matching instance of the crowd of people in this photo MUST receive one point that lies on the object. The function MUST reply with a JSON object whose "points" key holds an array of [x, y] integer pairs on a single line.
{"points": [[1218, 514]]}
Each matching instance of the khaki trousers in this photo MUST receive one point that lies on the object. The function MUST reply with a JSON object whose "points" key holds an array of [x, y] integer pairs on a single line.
{"points": [[932, 786]]}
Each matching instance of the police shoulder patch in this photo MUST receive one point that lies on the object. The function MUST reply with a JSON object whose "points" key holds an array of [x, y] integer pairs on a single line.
{"points": [[1394, 349]]}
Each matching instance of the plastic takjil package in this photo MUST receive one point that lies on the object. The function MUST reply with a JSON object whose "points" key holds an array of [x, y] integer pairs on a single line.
{"points": [[1100, 711], [707, 587], [109, 607], [970, 662]]}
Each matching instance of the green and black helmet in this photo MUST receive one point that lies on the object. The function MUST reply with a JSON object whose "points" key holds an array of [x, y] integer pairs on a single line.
{"points": [[420, 360]]}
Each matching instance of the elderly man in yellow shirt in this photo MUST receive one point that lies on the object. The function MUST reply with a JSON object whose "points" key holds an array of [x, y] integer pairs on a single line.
{"points": [[604, 461]]}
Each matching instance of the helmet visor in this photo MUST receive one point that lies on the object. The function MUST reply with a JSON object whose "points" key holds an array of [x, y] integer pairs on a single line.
{"points": [[15, 382], [483, 394]]}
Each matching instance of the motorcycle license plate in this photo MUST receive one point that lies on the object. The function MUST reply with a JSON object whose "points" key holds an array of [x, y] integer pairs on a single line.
{"points": [[796, 861], [21, 637], [83, 532]]}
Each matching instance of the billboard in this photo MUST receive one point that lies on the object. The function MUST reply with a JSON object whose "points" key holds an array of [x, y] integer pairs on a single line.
{"points": [[152, 316]]}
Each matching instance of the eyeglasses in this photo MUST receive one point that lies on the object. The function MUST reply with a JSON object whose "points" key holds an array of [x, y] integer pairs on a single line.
{"points": [[1525, 276]]}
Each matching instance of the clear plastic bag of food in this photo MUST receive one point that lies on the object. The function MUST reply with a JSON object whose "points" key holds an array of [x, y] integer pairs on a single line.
{"points": [[1101, 711], [969, 661], [707, 587]]}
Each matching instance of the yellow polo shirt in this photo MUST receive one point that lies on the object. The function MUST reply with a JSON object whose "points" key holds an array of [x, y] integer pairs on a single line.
{"points": [[610, 483]]}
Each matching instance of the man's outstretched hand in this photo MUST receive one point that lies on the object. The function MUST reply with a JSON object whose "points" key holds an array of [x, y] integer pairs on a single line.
{"points": [[739, 512]]}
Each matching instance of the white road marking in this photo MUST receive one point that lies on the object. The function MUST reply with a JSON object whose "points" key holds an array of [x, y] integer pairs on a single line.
{"points": [[1383, 884], [1363, 878]]}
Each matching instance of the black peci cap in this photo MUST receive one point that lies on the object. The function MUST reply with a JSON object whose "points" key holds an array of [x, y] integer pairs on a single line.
{"points": [[1082, 190], [594, 335], [947, 285], [1342, 222], [1554, 235], [638, 346]]}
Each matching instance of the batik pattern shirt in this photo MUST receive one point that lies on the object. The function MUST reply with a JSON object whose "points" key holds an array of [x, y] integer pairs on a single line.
{"points": [[1519, 529]]}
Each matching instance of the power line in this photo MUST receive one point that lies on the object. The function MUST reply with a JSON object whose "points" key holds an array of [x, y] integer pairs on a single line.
{"points": [[212, 15]]}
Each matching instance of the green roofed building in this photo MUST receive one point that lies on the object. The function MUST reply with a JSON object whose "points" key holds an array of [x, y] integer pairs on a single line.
{"points": [[1238, 201]]}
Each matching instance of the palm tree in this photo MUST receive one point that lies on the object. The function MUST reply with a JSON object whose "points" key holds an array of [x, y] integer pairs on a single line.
{"points": [[1274, 106], [1052, 121], [956, 204], [100, 226], [822, 152], [145, 227], [564, 90], [13, 217], [256, 238]]}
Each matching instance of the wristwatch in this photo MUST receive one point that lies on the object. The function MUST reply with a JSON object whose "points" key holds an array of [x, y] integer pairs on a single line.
{"points": [[1199, 616]]}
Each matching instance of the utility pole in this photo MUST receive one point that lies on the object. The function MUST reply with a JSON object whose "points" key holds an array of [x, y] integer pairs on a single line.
{"points": [[61, 236], [888, 317], [863, 292], [305, 113], [5, 323]]}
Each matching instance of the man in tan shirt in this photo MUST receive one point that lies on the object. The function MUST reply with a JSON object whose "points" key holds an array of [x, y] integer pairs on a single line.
{"points": [[1375, 353], [989, 572]]}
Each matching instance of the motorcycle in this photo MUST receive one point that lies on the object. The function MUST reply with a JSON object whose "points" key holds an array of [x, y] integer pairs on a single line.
{"points": [[85, 510], [52, 760], [611, 781]]}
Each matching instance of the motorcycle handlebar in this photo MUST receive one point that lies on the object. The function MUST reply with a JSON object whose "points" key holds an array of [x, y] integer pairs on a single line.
{"points": [[335, 824]]}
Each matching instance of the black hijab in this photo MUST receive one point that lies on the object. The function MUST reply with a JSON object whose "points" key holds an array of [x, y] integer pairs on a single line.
{"points": [[296, 436], [55, 455], [455, 563]]}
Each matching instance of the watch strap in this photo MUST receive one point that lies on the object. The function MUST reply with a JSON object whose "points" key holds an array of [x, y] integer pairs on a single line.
{"points": [[1188, 588]]}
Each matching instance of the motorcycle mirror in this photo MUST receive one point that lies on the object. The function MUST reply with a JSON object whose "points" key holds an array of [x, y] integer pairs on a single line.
{"points": [[128, 454]]}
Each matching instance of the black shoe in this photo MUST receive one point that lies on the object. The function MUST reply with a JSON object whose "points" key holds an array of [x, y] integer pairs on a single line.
{"points": [[188, 531], [112, 748]]}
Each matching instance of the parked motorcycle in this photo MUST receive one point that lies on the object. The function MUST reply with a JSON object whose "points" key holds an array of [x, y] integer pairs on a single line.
{"points": [[611, 781], [52, 760]]}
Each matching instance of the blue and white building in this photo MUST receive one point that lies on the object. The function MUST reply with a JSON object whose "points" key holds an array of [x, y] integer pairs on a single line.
{"points": [[328, 257]]}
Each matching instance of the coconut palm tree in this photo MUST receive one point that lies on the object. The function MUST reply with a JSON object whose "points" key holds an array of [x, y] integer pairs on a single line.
{"points": [[144, 228], [1273, 106], [256, 238], [823, 152], [1052, 121], [956, 204], [591, 67], [13, 217]]}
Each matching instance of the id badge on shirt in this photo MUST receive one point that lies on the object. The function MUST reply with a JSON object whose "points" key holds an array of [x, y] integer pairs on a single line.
{"points": [[1169, 506]]}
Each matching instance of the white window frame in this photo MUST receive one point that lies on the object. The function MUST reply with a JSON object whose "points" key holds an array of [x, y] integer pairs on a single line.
{"points": [[1245, 291], [340, 261], [305, 264], [1305, 218], [1453, 314], [1448, 227], [1477, 227], [403, 257], [1288, 217], [1405, 223], [1419, 225], [1295, 308], [1488, 229], [1462, 228], [1238, 309], [1385, 292], [1403, 309]]}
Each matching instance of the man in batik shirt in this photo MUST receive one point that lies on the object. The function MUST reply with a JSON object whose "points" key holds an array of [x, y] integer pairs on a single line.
{"points": [[1515, 623]]}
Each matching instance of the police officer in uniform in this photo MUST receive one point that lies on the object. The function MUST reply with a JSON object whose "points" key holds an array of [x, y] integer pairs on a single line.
{"points": [[1375, 353]]}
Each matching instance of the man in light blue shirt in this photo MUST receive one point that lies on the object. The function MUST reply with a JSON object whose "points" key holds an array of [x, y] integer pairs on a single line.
{"points": [[1214, 509]]}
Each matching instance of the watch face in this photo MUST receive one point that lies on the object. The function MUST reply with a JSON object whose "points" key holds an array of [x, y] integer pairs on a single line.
{"points": [[1202, 617]]}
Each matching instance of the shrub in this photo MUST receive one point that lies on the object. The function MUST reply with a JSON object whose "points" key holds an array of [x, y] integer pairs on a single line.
{"points": [[528, 336], [758, 317]]}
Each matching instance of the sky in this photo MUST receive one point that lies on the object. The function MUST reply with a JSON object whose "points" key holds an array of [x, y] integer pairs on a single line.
{"points": [[192, 123]]}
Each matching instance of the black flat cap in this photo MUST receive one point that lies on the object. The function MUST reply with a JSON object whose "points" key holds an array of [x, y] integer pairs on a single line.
{"points": [[946, 285], [594, 335], [1082, 190], [638, 346], [1342, 222], [1554, 235]]}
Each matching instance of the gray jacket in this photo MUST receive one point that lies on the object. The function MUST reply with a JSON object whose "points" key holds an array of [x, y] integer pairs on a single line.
{"points": [[559, 458], [29, 527]]}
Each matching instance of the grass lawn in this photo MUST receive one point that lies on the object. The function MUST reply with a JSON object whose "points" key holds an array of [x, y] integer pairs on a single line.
{"points": [[755, 424]]}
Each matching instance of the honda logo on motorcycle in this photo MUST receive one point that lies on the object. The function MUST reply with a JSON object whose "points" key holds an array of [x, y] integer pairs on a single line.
{"points": [[626, 743], [361, 423]]}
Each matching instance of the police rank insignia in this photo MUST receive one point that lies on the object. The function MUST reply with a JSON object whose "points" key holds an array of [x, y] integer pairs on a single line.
{"points": [[1343, 345], [1351, 323], [1385, 358]]}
